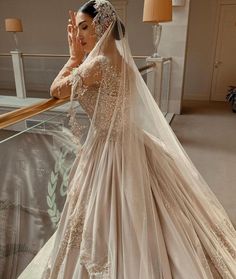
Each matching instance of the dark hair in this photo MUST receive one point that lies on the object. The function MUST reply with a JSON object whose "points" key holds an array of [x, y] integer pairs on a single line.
{"points": [[89, 9]]}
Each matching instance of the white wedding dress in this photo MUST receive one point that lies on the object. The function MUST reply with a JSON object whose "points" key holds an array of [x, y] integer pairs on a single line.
{"points": [[136, 208]]}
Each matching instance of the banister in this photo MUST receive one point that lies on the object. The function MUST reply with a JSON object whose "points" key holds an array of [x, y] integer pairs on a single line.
{"points": [[52, 55], [21, 114], [144, 68], [18, 115]]}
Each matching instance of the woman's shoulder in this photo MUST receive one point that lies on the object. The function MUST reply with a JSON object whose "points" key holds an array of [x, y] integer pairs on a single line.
{"points": [[103, 62], [95, 63], [99, 59]]}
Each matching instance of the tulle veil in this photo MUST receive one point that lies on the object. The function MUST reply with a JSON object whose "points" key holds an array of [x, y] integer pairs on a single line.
{"points": [[132, 122]]}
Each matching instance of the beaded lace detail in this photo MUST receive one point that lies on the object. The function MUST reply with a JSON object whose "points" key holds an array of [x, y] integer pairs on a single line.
{"points": [[102, 98], [105, 16]]}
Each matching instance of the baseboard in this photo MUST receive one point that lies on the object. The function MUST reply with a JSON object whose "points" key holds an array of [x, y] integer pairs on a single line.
{"points": [[196, 97]]}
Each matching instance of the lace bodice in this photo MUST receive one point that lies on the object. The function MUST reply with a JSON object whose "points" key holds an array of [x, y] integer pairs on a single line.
{"points": [[101, 99]]}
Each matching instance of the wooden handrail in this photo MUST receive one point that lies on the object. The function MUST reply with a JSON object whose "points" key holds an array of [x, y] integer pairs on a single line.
{"points": [[144, 68], [52, 55], [21, 114]]}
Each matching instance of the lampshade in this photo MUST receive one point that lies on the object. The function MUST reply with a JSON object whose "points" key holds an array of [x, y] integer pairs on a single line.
{"points": [[13, 25], [157, 11]]}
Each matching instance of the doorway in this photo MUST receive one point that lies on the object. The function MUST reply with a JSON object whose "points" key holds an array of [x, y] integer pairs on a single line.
{"points": [[224, 73]]}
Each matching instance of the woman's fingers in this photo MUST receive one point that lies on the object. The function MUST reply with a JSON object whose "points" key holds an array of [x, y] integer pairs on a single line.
{"points": [[71, 30], [73, 39], [72, 17], [69, 34]]}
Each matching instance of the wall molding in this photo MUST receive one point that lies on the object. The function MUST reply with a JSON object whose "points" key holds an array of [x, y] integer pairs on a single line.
{"points": [[198, 97], [227, 2], [178, 3]]}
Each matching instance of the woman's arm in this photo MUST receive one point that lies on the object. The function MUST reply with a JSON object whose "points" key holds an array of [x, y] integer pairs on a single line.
{"points": [[61, 87]]}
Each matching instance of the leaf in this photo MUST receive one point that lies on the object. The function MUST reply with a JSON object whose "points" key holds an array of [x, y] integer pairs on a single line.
{"points": [[49, 202], [56, 167], [50, 190], [54, 209], [53, 178], [55, 219], [60, 169], [53, 198], [50, 212], [58, 214]]}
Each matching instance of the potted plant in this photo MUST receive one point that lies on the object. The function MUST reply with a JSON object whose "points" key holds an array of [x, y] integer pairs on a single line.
{"points": [[231, 97]]}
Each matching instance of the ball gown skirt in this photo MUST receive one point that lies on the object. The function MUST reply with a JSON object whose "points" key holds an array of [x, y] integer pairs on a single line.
{"points": [[186, 249]]}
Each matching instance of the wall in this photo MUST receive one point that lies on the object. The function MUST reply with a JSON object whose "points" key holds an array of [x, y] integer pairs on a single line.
{"points": [[173, 44], [140, 34], [45, 32], [200, 49], [45, 25]]}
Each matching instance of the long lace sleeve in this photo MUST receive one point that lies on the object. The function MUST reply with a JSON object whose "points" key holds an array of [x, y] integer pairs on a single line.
{"points": [[84, 79], [87, 74]]}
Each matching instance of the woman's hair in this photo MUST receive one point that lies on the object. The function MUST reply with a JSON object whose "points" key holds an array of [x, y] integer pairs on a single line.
{"points": [[89, 9]]}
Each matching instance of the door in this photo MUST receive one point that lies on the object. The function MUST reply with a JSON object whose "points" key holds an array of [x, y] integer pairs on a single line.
{"points": [[225, 60]]}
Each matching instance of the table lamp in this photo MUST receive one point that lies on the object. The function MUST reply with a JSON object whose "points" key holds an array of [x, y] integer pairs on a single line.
{"points": [[157, 11], [13, 25]]}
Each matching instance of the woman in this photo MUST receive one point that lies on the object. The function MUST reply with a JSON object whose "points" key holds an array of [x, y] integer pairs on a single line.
{"points": [[136, 207]]}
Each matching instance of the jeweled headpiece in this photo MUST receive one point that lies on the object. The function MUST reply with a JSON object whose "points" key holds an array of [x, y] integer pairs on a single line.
{"points": [[105, 16]]}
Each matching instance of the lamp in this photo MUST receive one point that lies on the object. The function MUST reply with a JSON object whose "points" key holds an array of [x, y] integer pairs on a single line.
{"points": [[13, 25], [156, 11]]}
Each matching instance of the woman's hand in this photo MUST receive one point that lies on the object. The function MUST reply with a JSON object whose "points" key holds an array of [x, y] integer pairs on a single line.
{"points": [[61, 87], [76, 50]]}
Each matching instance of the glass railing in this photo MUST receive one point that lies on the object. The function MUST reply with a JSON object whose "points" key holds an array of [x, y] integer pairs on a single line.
{"points": [[45, 66], [7, 83], [165, 88], [36, 157], [37, 154]]}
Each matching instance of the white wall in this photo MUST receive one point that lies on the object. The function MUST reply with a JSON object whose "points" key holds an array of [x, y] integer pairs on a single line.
{"points": [[45, 32], [173, 44], [200, 49], [44, 26], [140, 34]]}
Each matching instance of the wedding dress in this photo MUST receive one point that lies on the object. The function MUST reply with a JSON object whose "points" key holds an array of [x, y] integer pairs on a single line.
{"points": [[137, 208]]}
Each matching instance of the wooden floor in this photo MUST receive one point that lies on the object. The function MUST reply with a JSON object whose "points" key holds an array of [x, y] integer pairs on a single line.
{"points": [[207, 131]]}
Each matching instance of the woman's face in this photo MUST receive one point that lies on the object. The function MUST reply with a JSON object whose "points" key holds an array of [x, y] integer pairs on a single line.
{"points": [[87, 35]]}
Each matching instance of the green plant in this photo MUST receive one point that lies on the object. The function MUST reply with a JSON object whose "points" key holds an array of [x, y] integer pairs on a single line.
{"points": [[63, 171], [231, 97]]}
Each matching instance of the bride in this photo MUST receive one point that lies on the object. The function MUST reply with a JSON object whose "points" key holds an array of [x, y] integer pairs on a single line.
{"points": [[137, 208]]}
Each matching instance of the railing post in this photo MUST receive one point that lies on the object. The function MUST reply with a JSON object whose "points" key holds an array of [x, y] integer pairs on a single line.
{"points": [[154, 79], [159, 81], [18, 73]]}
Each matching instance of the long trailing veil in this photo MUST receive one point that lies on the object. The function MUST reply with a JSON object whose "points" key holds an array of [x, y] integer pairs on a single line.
{"points": [[135, 193]]}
